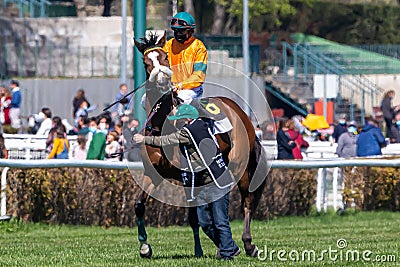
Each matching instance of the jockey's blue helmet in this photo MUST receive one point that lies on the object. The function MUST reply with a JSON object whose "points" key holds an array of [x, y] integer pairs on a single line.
{"points": [[183, 20]]}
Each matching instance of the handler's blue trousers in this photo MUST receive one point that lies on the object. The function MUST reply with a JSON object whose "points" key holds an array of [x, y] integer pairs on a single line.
{"points": [[214, 220]]}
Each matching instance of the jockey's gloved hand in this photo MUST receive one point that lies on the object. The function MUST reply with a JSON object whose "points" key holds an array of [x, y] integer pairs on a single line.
{"points": [[177, 87]]}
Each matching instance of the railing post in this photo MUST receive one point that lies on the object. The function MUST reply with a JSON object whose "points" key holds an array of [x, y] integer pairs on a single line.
{"points": [[305, 68], [372, 100], [235, 54], [50, 58], [321, 190], [336, 171], [31, 9], [36, 51], [3, 192], [339, 97], [352, 105], [64, 60], [119, 65], [363, 105], [78, 55], [42, 9], [105, 61], [21, 7], [92, 61], [295, 51], [284, 55], [21, 59]]}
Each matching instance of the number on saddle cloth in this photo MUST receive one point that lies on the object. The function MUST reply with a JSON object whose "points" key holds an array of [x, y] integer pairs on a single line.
{"points": [[209, 110]]}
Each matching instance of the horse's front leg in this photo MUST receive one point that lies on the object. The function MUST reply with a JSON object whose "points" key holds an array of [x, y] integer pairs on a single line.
{"points": [[194, 223], [145, 248]]}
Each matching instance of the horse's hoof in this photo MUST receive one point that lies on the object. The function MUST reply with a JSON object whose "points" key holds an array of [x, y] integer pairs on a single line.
{"points": [[146, 251], [253, 252], [198, 254]]}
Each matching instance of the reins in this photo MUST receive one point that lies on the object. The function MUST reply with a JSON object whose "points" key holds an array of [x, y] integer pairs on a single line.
{"points": [[128, 94]]}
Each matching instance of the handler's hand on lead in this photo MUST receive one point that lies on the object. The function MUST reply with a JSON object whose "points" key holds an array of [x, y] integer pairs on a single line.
{"points": [[138, 138]]}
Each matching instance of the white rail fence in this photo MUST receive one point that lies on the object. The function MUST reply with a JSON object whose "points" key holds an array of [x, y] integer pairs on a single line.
{"points": [[329, 188], [26, 146]]}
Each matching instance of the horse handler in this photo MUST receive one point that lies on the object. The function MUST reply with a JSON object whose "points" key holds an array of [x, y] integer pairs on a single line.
{"points": [[205, 176]]}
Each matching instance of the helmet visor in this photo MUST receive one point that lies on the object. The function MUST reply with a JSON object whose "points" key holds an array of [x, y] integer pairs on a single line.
{"points": [[179, 23]]}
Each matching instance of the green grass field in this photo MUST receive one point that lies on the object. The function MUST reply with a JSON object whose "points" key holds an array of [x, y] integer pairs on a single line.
{"points": [[375, 235]]}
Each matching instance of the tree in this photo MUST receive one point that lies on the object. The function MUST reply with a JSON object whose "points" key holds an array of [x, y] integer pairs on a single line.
{"points": [[227, 15]]}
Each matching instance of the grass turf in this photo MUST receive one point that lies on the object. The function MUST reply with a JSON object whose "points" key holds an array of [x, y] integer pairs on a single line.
{"points": [[49, 245]]}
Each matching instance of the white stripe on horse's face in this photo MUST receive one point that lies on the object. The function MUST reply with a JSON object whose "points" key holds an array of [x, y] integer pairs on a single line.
{"points": [[153, 55]]}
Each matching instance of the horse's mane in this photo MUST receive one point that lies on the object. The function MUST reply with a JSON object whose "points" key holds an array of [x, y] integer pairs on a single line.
{"points": [[149, 41]]}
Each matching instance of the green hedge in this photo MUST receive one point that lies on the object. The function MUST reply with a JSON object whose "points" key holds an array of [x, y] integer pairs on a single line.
{"points": [[372, 188], [106, 197]]}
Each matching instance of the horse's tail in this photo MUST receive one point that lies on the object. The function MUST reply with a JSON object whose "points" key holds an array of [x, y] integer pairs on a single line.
{"points": [[258, 170]]}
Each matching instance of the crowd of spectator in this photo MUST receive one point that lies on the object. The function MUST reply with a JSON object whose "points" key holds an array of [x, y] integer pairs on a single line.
{"points": [[107, 136]]}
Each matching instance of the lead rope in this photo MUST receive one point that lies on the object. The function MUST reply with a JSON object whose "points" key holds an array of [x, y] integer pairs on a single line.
{"points": [[193, 176]]}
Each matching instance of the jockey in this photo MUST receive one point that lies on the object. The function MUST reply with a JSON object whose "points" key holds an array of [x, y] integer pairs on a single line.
{"points": [[204, 175], [187, 56]]}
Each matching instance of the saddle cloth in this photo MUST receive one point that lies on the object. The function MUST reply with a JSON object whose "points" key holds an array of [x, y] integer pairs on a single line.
{"points": [[208, 109]]}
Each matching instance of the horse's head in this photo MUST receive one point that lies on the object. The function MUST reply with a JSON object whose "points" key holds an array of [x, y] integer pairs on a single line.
{"points": [[155, 59], [158, 76]]}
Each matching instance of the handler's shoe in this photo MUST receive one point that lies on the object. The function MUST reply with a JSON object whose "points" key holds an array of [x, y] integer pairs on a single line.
{"points": [[219, 257]]}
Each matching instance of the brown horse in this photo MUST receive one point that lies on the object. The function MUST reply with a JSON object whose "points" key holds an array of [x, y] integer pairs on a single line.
{"points": [[240, 148]]}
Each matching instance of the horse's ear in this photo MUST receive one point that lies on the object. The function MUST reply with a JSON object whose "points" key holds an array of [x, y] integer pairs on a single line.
{"points": [[163, 40], [139, 46]]}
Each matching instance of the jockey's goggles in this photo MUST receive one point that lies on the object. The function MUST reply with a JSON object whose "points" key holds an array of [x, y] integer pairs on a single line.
{"points": [[180, 24]]}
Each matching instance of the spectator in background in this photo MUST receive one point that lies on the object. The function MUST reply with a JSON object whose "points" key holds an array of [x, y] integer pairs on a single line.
{"points": [[55, 123], [47, 123], [395, 129], [60, 144], [15, 105], [83, 110], [77, 101], [297, 138], [131, 149], [347, 143], [285, 145], [98, 143], [388, 110], [80, 151], [340, 128], [112, 146], [259, 132], [3, 149], [124, 107], [5, 102], [119, 130], [83, 126], [370, 140]]}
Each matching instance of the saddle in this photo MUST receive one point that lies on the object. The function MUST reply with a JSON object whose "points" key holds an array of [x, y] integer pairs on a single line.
{"points": [[209, 110]]}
